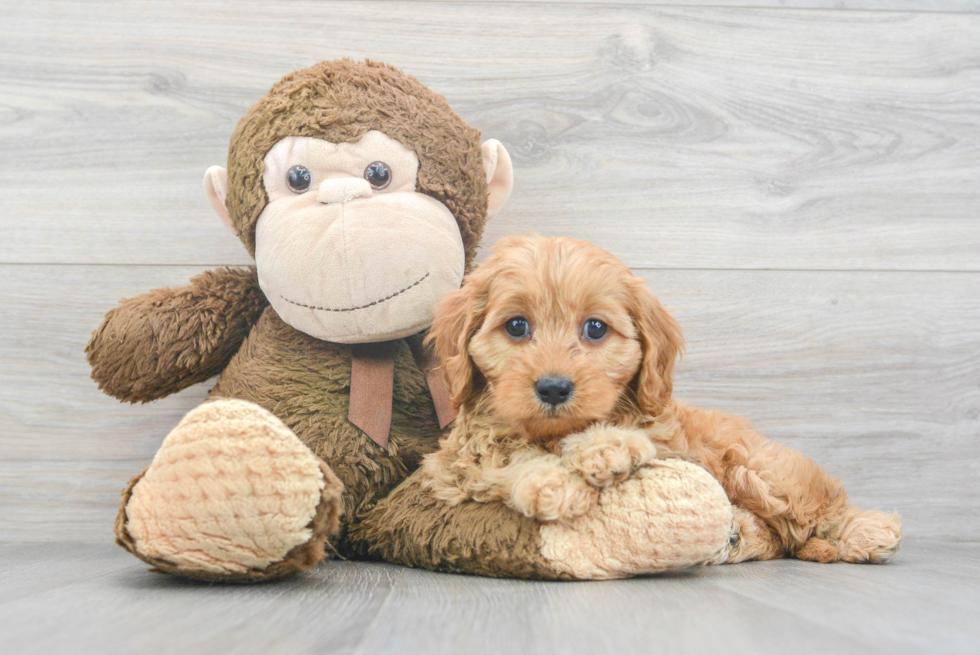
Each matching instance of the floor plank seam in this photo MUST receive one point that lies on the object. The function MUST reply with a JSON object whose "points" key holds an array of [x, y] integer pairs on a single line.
{"points": [[641, 269]]}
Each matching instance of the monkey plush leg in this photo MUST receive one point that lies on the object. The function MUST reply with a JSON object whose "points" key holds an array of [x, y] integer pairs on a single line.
{"points": [[233, 495], [670, 515]]}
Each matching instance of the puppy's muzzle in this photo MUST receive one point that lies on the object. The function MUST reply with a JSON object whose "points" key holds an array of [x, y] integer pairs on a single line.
{"points": [[554, 390]]}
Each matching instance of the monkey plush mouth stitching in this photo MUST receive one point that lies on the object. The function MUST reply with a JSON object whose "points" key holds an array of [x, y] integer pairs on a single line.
{"points": [[351, 309]]}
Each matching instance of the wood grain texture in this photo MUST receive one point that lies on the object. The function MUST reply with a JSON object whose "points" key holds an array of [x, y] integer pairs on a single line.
{"points": [[875, 375], [85, 598], [958, 6], [678, 137], [799, 183]]}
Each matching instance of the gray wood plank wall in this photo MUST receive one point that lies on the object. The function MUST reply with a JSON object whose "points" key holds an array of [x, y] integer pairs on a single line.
{"points": [[799, 181]]}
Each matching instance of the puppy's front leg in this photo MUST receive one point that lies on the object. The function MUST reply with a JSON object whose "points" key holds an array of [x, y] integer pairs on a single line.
{"points": [[605, 455], [543, 489]]}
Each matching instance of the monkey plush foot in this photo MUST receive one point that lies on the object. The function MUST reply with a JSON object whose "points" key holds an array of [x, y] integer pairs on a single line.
{"points": [[669, 515], [231, 495]]}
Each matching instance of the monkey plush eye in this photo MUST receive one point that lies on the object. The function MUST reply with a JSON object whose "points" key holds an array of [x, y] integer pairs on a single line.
{"points": [[299, 179], [378, 174], [517, 327], [594, 329]]}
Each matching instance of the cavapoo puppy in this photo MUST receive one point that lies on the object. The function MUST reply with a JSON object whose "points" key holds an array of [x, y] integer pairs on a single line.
{"points": [[560, 362]]}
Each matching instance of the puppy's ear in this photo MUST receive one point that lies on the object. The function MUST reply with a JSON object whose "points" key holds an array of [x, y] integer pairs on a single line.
{"points": [[457, 318], [662, 341]]}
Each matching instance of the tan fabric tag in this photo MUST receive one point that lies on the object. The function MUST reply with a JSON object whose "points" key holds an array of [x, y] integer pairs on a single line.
{"points": [[438, 388], [372, 380]]}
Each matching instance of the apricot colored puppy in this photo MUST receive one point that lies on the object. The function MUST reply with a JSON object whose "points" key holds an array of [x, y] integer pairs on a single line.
{"points": [[560, 362]]}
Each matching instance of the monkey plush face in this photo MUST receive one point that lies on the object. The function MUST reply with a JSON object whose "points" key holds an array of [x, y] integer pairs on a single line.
{"points": [[362, 196], [337, 208]]}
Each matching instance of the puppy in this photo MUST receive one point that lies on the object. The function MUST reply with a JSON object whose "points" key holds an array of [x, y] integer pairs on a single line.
{"points": [[560, 363]]}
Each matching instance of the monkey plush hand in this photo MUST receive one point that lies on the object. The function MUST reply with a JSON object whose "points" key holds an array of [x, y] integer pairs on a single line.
{"points": [[362, 197]]}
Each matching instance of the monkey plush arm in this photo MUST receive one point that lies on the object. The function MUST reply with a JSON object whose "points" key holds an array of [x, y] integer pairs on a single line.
{"points": [[163, 341]]}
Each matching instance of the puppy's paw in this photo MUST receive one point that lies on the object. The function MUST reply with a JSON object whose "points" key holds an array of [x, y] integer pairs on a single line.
{"points": [[871, 536], [552, 493], [605, 455]]}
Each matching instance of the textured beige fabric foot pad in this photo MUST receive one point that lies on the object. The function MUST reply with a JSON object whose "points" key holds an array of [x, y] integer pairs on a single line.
{"points": [[231, 494], [671, 514]]}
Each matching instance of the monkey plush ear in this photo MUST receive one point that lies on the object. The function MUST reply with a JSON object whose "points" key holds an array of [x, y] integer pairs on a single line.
{"points": [[216, 189], [500, 174]]}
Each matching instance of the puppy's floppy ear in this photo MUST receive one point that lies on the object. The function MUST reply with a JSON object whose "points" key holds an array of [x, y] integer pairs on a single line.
{"points": [[458, 317], [662, 341]]}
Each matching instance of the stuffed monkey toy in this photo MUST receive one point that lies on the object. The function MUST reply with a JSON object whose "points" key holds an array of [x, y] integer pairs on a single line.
{"points": [[362, 197]]}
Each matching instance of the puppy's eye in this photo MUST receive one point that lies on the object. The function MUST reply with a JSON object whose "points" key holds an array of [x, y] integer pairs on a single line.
{"points": [[595, 329], [299, 179], [517, 327], [378, 175]]}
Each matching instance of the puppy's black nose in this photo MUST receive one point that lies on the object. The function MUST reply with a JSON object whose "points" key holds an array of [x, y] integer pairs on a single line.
{"points": [[553, 390]]}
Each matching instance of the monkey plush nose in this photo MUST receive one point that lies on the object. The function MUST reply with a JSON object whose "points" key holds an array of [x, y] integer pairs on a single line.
{"points": [[343, 189], [553, 390]]}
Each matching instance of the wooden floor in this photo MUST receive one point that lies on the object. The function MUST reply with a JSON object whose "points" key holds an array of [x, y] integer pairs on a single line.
{"points": [[799, 180], [60, 598]]}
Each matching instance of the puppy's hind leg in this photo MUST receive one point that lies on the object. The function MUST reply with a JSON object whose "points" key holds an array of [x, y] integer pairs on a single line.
{"points": [[855, 536], [808, 509]]}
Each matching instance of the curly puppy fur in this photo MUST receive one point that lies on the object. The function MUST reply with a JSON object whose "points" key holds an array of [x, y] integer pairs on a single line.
{"points": [[549, 462]]}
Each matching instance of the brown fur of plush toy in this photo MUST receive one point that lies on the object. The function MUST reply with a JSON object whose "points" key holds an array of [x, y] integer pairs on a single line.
{"points": [[168, 339], [163, 341]]}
